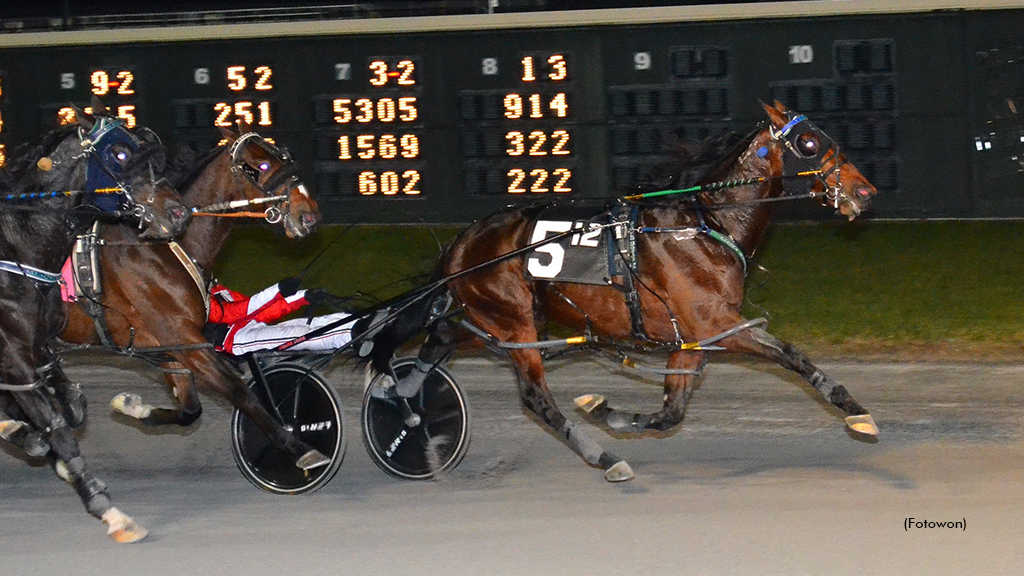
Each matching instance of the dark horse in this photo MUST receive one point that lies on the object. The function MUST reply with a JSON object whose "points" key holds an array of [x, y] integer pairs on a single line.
{"points": [[153, 295], [36, 235], [687, 278]]}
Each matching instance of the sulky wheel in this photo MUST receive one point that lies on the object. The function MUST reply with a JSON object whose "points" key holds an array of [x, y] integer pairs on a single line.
{"points": [[418, 451], [306, 405]]}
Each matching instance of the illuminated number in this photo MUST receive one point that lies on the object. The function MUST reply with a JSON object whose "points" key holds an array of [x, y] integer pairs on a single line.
{"points": [[3, 155], [127, 113], [243, 110], [365, 106], [513, 106], [364, 142], [489, 66], [801, 54], [560, 71], [387, 147], [562, 137], [343, 150], [538, 138], [100, 82], [517, 176], [528, 75], [559, 105], [265, 119], [367, 183], [410, 144], [66, 116], [563, 175], [263, 83], [342, 111], [201, 76], [541, 176], [407, 107], [380, 73], [535, 108], [343, 71], [67, 80], [1, 120], [223, 110], [236, 78], [126, 78], [412, 179], [389, 183], [407, 67], [518, 147], [386, 110], [641, 61]]}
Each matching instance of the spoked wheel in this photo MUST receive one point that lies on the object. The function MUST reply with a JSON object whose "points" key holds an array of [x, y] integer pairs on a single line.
{"points": [[311, 409], [416, 451]]}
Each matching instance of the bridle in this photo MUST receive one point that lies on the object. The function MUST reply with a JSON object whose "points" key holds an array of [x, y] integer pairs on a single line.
{"points": [[285, 177], [807, 148]]}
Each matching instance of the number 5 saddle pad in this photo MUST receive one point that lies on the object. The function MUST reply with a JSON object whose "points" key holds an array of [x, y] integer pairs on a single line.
{"points": [[586, 256]]}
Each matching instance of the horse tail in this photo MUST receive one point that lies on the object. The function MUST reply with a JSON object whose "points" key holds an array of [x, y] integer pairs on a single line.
{"points": [[408, 318]]}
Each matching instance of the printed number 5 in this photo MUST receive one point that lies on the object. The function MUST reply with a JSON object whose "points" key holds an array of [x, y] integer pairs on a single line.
{"points": [[557, 253]]}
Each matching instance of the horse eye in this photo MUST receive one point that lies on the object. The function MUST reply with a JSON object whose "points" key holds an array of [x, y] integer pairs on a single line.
{"points": [[120, 153], [264, 166], [807, 144]]}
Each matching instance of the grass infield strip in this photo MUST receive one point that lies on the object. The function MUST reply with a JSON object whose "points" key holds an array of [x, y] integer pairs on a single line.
{"points": [[918, 290]]}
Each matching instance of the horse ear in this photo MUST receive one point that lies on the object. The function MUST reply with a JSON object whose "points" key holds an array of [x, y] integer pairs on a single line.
{"points": [[778, 117], [228, 134], [85, 120], [781, 107]]}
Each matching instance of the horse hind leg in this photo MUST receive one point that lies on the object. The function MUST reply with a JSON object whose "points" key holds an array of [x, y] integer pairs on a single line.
{"points": [[182, 383], [678, 389], [759, 342], [537, 397]]}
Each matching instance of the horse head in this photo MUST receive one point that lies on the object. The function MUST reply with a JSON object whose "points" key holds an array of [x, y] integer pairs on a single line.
{"points": [[272, 177], [122, 174], [808, 151]]}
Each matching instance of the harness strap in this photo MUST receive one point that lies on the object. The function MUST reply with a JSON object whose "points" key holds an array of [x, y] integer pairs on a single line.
{"points": [[193, 270], [30, 272]]}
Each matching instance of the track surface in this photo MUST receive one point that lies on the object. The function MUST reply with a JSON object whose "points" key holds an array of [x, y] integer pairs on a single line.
{"points": [[760, 479]]}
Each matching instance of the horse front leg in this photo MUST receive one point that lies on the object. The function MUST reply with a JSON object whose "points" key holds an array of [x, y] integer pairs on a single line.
{"points": [[758, 342], [70, 465], [182, 384], [685, 367], [536, 397]]}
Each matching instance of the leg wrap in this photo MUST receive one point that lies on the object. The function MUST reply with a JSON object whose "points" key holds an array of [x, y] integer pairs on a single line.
{"points": [[822, 384], [93, 493], [585, 447]]}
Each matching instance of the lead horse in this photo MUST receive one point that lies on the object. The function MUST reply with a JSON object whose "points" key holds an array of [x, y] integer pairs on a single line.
{"points": [[152, 301], [687, 281], [96, 169]]}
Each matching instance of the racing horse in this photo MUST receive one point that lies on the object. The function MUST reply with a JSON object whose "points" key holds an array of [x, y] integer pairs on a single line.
{"points": [[687, 279], [154, 295], [55, 189]]}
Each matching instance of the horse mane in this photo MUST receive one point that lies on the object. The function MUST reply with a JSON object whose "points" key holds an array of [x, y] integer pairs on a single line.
{"points": [[22, 160], [695, 163], [186, 164]]}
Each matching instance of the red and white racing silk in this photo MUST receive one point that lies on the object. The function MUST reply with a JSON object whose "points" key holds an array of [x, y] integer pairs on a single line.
{"points": [[249, 321]]}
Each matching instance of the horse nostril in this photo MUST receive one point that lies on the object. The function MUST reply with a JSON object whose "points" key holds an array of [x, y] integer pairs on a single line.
{"points": [[863, 192]]}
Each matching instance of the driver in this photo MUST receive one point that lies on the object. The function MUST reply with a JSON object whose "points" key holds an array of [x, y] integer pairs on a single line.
{"points": [[239, 324]]}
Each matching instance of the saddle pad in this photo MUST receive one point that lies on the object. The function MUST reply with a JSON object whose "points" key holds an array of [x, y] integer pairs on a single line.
{"points": [[581, 257]]}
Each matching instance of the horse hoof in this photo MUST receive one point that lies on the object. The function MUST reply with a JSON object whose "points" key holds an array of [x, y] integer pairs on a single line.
{"points": [[863, 424], [122, 528], [312, 459], [590, 402], [131, 405], [619, 472]]}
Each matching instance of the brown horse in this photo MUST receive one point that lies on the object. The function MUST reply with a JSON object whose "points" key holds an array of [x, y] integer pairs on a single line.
{"points": [[153, 298], [683, 287]]}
